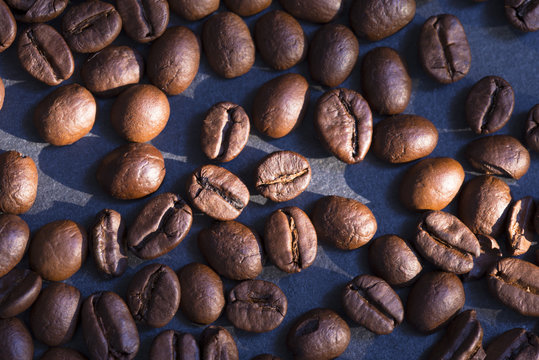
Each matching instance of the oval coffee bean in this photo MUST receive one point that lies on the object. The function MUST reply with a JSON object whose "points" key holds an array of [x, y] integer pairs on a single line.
{"points": [[8, 28], [372, 303], [318, 11], [488, 257], [62, 354], [216, 343], [174, 345], [144, 21], [19, 289], [108, 243], [44, 54], [15, 340], [444, 51], [18, 181], [520, 228], [523, 14], [194, 10], [247, 7], [256, 305], [514, 344], [343, 121], [217, 192], [532, 128], [14, 235]]}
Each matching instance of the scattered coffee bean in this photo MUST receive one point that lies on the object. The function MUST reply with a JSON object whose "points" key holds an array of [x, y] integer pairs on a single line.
{"points": [[14, 235], [8, 28], [523, 14], [266, 357], [532, 128], [15, 340], [174, 345], [489, 255], [108, 244], [19, 289], [317, 11], [217, 343], [18, 181], [520, 228], [194, 10], [247, 7], [518, 344], [62, 354], [144, 21]]}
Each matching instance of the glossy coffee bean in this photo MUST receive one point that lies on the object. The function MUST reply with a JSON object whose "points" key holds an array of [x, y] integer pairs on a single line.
{"points": [[160, 226], [56, 65], [144, 21], [62, 354], [18, 181], [372, 303], [523, 14], [15, 340], [108, 244], [518, 344], [520, 228], [153, 295], [203, 297], [376, 19], [343, 121], [489, 255], [532, 128], [217, 192], [282, 175], [19, 289], [193, 10], [247, 7], [217, 343], [318, 11], [66, 115], [342, 222], [37, 11], [173, 60], [174, 345], [58, 250], [385, 81], [444, 51], [131, 171], [232, 249], [8, 28], [14, 235]]}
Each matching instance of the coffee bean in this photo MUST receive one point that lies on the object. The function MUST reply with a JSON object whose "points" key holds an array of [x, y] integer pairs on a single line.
{"points": [[193, 10], [37, 11], [62, 354], [14, 235], [372, 303], [44, 54], [518, 344], [266, 357], [444, 51], [203, 297], [532, 128], [282, 175], [15, 340], [108, 328], [318, 11], [8, 29], [174, 345], [216, 343], [145, 20], [342, 222], [108, 244], [18, 181], [225, 131], [160, 226], [385, 81], [404, 138], [247, 7], [343, 121], [131, 171], [520, 228], [217, 192], [232, 249], [91, 26], [319, 334], [19, 289], [489, 255], [280, 105], [290, 239], [375, 20], [66, 115], [173, 60], [523, 14], [55, 314]]}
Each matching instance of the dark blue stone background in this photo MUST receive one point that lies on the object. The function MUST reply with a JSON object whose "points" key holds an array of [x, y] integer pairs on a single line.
{"points": [[67, 186]]}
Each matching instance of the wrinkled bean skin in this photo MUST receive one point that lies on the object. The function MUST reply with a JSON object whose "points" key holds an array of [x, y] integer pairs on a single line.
{"points": [[37, 11], [144, 21], [523, 14], [489, 256], [317, 11], [8, 29], [520, 227], [14, 236], [15, 340], [108, 243], [532, 128], [193, 10], [247, 7], [174, 345], [62, 354], [216, 343], [18, 290], [517, 344]]}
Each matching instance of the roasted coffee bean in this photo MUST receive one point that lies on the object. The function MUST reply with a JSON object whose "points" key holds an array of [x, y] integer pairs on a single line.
{"points": [[18, 181], [140, 113], [173, 60], [393, 260], [8, 29], [433, 300], [55, 314], [247, 7], [404, 138], [444, 51], [280, 40], [131, 171], [431, 184], [44, 54], [520, 228], [108, 244], [37, 11], [174, 345], [280, 105], [91, 26], [333, 54], [66, 115], [372, 303], [225, 131], [282, 175], [532, 128], [342, 222], [290, 239], [319, 334], [523, 14], [58, 250], [153, 295], [515, 282], [489, 255], [385, 81], [343, 121], [256, 305], [518, 344], [232, 249], [108, 327], [318, 11], [62, 354], [203, 297], [15, 340], [216, 343], [217, 192], [109, 71], [193, 10], [375, 19], [266, 357], [160, 226], [18, 290], [483, 205], [144, 21], [14, 235]]}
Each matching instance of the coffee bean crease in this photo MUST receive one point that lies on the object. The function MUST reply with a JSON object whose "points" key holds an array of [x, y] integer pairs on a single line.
{"points": [[49, 60], [205, 184], [441, 33], [145, 297], [79, 27], [365, 295]]}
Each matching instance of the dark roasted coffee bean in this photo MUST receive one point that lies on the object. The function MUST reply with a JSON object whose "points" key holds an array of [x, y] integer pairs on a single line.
{"points": [[343, 121], [14, 235], [108, 327], [18, 181], [290, 239], [160, 226], [145, 20], [372, 303], [523, 14], [174, 345], [282, 175], [319, 334], [318, 11], [18, 290], [45, 55], [62, 354], [108, 244], [514, 344], [15, 340], [444, 51], [532, 128], [153, 295], [216, 343], [489, 255], [489, 104], [404, 138], [520, 228], [225, 131], [55, 314], [385, 81], [266, 357], [342, 222], [8, 29], [37, 11], [247, 7], [376, 19], [91, 26], [217, 192], [193, 10]]}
